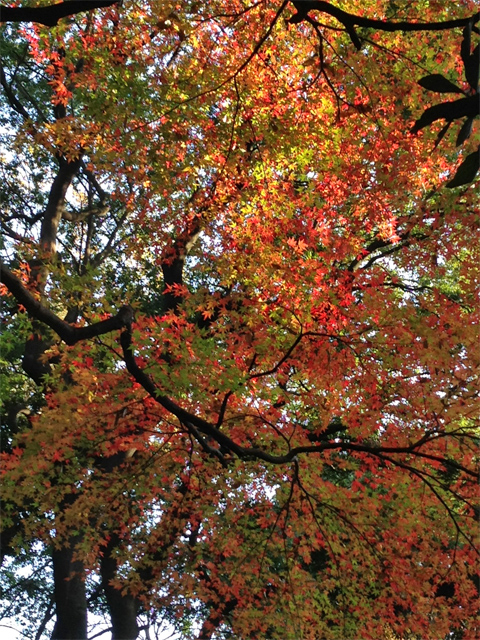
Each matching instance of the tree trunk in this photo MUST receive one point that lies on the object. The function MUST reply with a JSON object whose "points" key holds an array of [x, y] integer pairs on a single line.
{"points": [[123, 608], [70, 595]]}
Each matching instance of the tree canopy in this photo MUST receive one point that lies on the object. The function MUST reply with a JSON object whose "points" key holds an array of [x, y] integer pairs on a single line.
{"points": [[239, 358]]}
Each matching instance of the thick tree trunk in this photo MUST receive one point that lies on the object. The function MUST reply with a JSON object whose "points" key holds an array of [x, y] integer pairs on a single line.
{"points": [[123, 608], [70, 595]]}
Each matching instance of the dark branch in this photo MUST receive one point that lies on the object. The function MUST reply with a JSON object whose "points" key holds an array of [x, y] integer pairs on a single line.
{"points": [[174, 263], [70, 335], [55, 206], [123, 319], [350, 20], [247, 453], [12, 99], [184, 416], [50, 15]]}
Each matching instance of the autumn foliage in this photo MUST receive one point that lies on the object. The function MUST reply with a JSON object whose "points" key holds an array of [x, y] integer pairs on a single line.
{"points": [[240, 350]]}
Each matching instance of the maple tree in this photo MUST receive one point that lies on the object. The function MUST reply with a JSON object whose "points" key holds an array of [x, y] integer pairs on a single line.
{"points": [[240, 278]]}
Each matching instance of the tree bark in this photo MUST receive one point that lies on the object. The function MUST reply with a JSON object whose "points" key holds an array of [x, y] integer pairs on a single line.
{"points": [[56, 201], [123, 608], [70, 595]]}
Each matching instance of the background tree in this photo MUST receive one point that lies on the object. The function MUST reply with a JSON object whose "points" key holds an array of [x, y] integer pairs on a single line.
{"points": [[240, 317]]}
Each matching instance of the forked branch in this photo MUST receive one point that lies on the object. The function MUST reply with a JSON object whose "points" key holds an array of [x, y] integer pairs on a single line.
{"points": [[68, 333]]}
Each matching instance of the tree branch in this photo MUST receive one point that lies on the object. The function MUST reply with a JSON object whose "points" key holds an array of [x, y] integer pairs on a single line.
{"points": [[11, 97], [50, 15], [79, 216], [55, 206], [350, 20], [174, 262], [70, 335], [172, 407], [123, 319], [246, 453]]}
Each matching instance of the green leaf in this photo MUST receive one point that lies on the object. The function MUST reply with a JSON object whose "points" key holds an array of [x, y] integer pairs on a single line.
{"points": [[440, 84], [471, 61], [451, 110], [472, 68], [441, 134], [467, 171], [465, 131]]}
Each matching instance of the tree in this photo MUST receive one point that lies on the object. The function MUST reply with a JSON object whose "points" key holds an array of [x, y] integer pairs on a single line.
{"points": [[240, 281]]}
